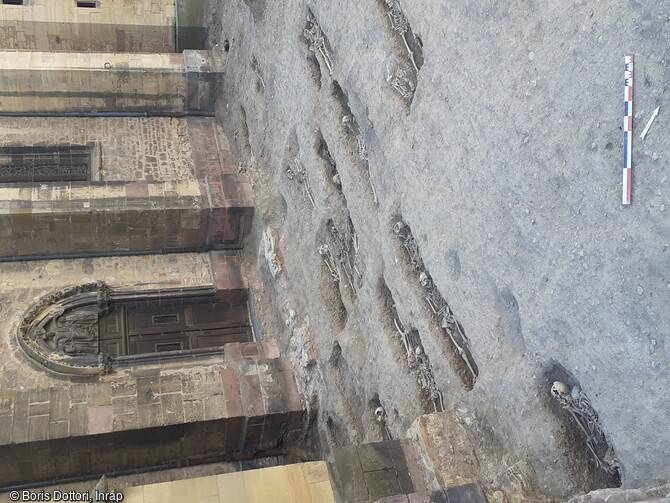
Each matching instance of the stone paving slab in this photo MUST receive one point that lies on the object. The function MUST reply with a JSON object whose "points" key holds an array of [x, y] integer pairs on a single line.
{"points": [[297, 483], [371, 472], [350, 483], [381, 484]]}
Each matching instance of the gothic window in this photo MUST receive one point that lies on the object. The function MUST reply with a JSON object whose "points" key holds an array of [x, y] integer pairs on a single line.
{"points": [[53, 163]]}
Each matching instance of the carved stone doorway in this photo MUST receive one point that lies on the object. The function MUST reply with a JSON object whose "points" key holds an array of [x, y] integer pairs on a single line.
{"points": [[91, 329], [137, 328]]}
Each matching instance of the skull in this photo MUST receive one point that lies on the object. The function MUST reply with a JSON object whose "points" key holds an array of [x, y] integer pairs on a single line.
{"points": [[424, 280], [559, 389]]}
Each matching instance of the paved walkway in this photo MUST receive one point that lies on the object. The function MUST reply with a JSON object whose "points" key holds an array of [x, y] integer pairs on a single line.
{"points": [[298, 483]]}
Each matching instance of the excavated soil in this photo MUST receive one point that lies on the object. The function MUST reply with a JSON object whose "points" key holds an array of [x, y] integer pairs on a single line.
{"points": [[493, 131]]}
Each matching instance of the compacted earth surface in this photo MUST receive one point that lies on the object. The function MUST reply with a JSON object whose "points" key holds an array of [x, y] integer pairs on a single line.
{"points": [[439, 222]]}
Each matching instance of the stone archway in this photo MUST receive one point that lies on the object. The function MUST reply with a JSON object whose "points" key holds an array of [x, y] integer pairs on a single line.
{"points": [[90, 329]]}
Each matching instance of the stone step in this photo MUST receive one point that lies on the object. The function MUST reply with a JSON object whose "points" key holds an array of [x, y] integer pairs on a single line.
{"points": [[370, 472]]}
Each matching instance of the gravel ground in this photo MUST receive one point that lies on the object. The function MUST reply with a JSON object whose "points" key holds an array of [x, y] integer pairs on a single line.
{"points": [[498, 142]]}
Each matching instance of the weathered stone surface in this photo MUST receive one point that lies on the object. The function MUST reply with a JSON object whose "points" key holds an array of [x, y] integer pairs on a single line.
{"points": [[252, 398], [230, 211], [350, 479], [215, 405], [371, 472], [410, 476], [231, 389], [229, 277], [124, 405], [445, 446], [375, 456], [38, 427], [59, 404], [381, 484], [129, 422], [35, 81], [203, 80], [99, 394], [78, 419], [20, 423], [100, 419], [6, 429]]}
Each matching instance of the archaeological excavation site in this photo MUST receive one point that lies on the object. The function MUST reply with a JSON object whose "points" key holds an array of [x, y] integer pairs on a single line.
{"points": [[335, 251]]}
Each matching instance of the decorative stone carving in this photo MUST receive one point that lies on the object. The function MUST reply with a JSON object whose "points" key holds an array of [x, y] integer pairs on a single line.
{"points": [[73, 333], [60, 330]]}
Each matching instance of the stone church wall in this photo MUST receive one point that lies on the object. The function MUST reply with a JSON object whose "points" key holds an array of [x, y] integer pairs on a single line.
{"points": [[234, 406], [112, 25], [35, 81], [165, 185], [132, 148], [250, 406]]}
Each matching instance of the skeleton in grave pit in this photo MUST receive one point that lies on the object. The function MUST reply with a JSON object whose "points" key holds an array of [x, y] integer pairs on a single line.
{"points": [[577, 403]]}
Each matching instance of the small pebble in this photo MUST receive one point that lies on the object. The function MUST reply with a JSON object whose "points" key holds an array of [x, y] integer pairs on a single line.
{"points": [[663, 207], [653, 342], [593, 146], [531, 56], [640, 290]]}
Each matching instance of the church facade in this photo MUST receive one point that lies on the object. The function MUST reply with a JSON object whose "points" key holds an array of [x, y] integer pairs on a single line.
{"points": [[127, 336]]}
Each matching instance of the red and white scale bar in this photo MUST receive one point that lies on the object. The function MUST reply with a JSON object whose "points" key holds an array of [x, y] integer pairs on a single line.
{"points": [[627, 130]]}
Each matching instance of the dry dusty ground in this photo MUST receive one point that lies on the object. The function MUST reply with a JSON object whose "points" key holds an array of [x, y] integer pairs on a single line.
{"points": [[498, 142]]}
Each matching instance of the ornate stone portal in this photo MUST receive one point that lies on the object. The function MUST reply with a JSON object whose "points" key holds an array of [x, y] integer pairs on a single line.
{"points": [[91, 329]]}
